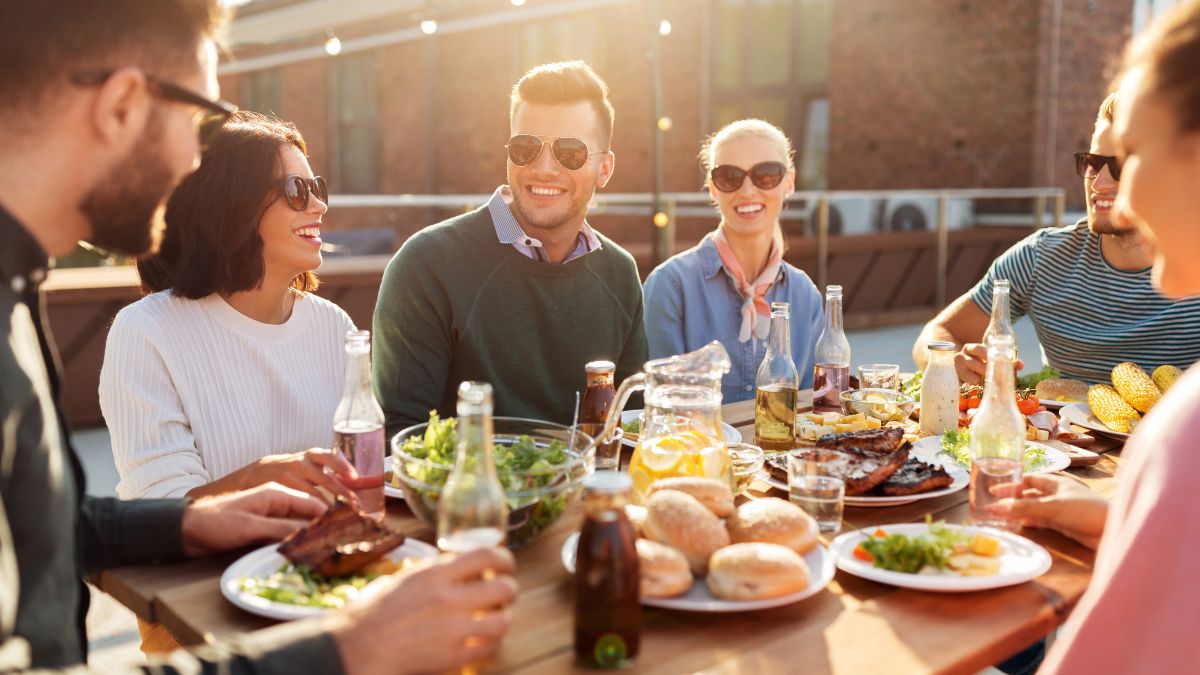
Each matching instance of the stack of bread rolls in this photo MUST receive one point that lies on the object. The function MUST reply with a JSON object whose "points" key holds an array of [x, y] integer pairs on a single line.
{"points": [[692, 529]]}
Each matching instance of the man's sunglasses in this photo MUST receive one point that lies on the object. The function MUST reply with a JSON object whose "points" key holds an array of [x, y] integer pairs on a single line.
{"points": [[214, 113], [764, 175], [1088, 165], [296, 190], [571, 153]]}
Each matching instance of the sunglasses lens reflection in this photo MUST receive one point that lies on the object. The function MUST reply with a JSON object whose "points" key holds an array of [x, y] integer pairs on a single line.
{"points": [[572, 153], [321, 189], [296, 193], [727, 178], [523, 149], [767, 175]]}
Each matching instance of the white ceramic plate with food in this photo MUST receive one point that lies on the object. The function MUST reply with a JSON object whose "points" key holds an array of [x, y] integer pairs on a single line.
{"points": [[262, 563], [1052, 459], [959, 475], [390, 489], [627, 416], [1080, 414], [1019, 559], [698, 599], [1056, 405]]}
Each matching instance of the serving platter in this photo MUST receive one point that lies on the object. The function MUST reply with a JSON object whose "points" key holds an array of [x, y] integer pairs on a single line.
{"points": [[930, 447], [698, 599], [959, 475], [1080, 414], [1021, 560], [261, 563]]}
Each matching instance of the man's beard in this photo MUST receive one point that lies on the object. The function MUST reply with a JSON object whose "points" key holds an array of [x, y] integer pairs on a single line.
{"points": [[126, 209], [1105, 226]]}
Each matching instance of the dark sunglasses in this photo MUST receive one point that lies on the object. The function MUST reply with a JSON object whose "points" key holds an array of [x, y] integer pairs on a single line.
{"points": [[213, 113], [764, 175], [1088, 165], [296, 190], [571, 153]]}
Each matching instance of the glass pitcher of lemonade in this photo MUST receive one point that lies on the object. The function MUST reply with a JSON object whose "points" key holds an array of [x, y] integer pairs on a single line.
{"points": [[680, 433]]}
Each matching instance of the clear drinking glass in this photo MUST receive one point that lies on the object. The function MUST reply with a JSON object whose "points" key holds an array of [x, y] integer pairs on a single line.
{"points": [[820, 495], [747, 460], [879, 376]]}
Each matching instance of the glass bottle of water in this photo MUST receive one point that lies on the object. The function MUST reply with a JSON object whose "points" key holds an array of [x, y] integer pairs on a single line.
{"points": [[1001, 321], [358, 425], [777, 385], [831, 357], [997, 435], [473, 511]]}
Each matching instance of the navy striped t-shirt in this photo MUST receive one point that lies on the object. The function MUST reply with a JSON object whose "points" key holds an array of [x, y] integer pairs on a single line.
{"points": [[1088, 314]]}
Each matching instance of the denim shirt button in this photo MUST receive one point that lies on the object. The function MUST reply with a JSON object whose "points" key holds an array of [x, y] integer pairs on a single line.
{"points": [[749, 387]]}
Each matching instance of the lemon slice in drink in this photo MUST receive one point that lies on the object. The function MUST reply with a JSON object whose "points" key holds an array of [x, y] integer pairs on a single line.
{"points": [[662, 456], [712, 462], [642, 480]]}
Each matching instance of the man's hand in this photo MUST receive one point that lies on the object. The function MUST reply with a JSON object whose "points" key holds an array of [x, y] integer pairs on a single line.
{"points": [[433, 620], [971, 363], [264, 513], [317, 471], [1054, 503]]}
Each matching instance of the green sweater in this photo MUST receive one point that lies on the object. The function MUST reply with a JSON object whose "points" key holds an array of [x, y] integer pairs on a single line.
{"points": [[457, 305]]}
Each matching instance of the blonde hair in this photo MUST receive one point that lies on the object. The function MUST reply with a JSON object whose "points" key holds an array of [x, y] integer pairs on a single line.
{"points": [[566, 82], [1169, 51], [745, 129]]}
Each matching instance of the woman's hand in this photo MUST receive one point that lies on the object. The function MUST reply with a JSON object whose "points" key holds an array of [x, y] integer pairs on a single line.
{"points": [[317, 471], [1054, 503]]}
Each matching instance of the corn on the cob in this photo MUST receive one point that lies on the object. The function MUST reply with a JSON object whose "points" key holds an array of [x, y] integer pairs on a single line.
{"points": [[1108, 406], [1165, 376], [1135, 386]]}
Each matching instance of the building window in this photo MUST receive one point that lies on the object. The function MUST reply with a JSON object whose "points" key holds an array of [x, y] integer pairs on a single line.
{"points": [[356, 137], [771, 61], [263, 92]]}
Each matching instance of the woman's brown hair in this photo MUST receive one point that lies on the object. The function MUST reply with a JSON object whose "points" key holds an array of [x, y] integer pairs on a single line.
{"points": [[1169, 50], [211, 244]]}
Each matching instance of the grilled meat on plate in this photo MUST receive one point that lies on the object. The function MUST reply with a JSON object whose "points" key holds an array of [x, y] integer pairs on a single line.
{"points": [[878, 441], [861, 470], [340, 542], [914, 478]]}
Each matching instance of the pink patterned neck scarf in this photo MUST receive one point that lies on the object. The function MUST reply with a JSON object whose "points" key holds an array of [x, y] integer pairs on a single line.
{"points": [[756, 311]]}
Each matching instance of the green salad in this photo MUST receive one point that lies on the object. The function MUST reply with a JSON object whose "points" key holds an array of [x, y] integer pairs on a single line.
{"points": [[957, 444], [1031, 381], [912, 386], [632, 427], [526, 468], [295, 585], [911, 554]]}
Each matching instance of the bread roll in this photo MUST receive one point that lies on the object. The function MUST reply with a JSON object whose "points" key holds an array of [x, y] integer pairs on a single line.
{"points": [[680, 521], [637, 517], [756, 571], [714, 494], [774, 521], [664, 571], [1060, 389]]}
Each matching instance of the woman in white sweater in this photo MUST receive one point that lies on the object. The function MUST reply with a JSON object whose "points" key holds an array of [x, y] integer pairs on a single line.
{"points": [[228, 373]]}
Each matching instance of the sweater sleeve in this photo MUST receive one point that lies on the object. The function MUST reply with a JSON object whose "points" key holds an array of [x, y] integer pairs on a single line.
{"points": [[413, 336], [664, 314], [152, 440]]}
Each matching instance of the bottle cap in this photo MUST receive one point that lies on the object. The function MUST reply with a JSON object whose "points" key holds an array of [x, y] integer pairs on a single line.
{"points": [[941, 347], [608, 482], [781, 308], [600, 367]]}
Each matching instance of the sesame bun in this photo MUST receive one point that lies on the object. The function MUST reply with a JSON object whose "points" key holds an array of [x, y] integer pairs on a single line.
{"points": [[714, 494], [756, 571], [664, 571], [680, 521], [774, 521]]}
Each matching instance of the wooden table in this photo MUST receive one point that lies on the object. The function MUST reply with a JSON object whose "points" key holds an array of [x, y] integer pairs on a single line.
{"points": [[856, 626]]}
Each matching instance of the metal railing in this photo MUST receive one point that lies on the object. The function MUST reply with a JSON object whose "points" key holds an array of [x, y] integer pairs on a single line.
{"points": [[816, 209]]}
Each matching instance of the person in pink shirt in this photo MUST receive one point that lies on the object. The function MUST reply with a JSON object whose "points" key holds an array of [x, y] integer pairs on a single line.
{"points": [[1141, 612]]}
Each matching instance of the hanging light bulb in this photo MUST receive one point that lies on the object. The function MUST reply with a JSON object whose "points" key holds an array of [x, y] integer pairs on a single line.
{"points": [[665, 123], [429, 26], [333, 46], [518, 3], [661, 219], [664, 27]]}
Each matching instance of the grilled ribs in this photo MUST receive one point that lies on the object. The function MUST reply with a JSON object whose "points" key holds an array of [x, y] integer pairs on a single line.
{"points": [[914, 478], [340, 542], [861, 470], [878, 441]]}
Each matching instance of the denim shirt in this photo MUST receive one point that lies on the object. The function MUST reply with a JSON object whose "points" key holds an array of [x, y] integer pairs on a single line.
{"points": [[692, 300]]}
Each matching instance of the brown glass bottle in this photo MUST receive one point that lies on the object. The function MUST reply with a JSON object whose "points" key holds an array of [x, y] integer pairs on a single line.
{"points": [[593, 411], [608, 609]]}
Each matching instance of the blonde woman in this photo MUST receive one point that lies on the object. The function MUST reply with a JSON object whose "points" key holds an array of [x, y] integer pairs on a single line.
{"points": [[722, 288]]}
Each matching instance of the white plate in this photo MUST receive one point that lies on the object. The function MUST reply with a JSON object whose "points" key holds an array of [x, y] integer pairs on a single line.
{"points": [[1081, 415], [960, 476], [390, 490], [1055, 460], [731, 435], [1056, 405], [263, 562], [1020, 560], [698, 599]]}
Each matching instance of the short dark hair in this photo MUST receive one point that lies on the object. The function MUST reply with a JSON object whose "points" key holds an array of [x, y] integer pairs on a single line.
{"points": [[48, 41], [566, 82], [1169, 50], [211, 244]]}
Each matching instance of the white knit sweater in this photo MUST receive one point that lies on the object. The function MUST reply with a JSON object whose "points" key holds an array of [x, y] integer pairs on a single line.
{"points": [[193, 390]]}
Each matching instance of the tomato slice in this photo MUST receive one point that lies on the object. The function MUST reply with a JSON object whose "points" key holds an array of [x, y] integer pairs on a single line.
{"points": [[862, 554]]}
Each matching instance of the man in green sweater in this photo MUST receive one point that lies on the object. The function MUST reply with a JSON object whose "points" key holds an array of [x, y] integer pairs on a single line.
{"points": [[522, 292]]}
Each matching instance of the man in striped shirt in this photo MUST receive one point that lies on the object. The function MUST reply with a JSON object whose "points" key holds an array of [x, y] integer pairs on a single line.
{"points": [[1085, 286]]}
